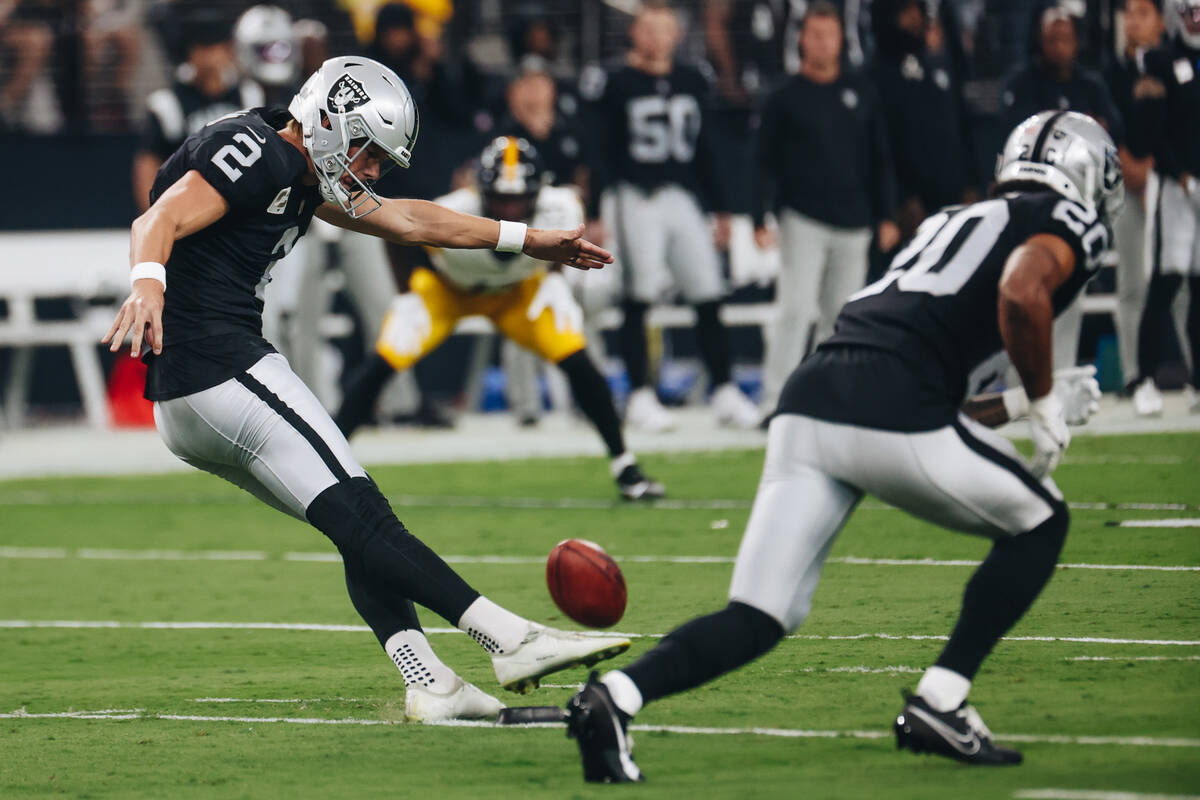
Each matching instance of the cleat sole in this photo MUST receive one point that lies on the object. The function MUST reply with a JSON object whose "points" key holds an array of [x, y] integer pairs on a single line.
{"points": [[528, 683]]}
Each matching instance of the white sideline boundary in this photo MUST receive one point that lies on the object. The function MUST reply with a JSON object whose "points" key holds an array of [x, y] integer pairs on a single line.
{"points": [[100, 554], [334, 628], [1095, 794], [789, 733]]}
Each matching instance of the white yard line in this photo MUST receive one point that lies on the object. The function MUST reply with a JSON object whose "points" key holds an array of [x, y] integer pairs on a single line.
{"points": [[791, 733], [332, 628], [36, 497], [1191, 522], [1093, 794], [283, 699], [1134, 658], [334, 558]]}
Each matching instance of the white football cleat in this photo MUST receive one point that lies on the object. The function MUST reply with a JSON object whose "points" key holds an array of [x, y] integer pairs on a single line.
{"points": [[734, 408], [464, 701], [1147, 400], [643, 411], [546, 650], [1192, 397]]}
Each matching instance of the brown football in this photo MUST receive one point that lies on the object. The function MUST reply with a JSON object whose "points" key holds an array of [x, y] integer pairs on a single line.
{"points": [[586, 583]]}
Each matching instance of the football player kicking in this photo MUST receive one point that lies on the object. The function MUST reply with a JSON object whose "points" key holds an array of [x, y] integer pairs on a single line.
{"points": [[974, 279], [228, 203], [529, 304]]}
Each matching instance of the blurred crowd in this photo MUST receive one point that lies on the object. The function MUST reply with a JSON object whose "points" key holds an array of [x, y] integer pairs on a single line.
{"points": [[946, 79]]}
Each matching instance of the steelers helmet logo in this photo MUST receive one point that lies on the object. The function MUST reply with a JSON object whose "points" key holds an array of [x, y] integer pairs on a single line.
{"points": [[347, 94]]}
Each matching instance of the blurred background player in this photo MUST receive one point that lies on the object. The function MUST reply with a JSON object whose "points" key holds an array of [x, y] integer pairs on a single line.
{"points": [[529, 304], [268, 51], [654, 155], [1169, 107], [823, 165], [1143, 30], [207, 86]]}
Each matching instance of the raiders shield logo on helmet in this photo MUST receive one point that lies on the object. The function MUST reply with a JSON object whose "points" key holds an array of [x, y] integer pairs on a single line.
{"points": [[347, 94]]}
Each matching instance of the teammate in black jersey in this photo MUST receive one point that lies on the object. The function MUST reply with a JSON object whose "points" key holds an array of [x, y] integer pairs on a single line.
{"points": [[659, 172], [228, 203], [875, 410]]}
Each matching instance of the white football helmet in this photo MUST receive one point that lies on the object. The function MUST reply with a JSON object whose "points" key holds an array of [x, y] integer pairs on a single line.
{"points": [[351, 100], [1068, 152], [1188, 12], [266, 46]]}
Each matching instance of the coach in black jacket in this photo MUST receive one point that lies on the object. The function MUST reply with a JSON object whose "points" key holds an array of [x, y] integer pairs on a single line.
{"points": [[824, 167]]}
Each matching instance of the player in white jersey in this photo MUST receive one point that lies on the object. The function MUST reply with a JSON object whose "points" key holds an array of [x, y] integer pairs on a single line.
{"points": [[527, 300]]}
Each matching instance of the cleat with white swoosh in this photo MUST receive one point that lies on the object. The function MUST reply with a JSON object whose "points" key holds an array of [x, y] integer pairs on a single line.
{"points": [[602, 731], [958, 734]]}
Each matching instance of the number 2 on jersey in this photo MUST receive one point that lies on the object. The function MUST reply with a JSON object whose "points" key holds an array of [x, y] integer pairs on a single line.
{"points": [[946, 251], [222, 156]]}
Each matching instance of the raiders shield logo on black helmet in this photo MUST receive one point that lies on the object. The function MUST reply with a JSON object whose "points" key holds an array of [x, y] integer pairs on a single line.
{"points": [[347, 94]]}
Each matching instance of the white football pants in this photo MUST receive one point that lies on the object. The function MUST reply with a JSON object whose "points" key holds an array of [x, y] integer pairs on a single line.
{"points": [[963, 476]]}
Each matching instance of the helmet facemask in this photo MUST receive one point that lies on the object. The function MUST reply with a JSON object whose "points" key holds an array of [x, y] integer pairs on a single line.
{"points": [[353, 103]]}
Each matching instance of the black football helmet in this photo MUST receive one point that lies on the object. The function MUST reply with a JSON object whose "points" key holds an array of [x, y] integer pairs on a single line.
{"points": [[509, 178]]}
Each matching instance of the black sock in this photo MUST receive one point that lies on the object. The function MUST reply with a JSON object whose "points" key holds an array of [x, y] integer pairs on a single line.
{"points": [[591, 392], [363, 388], [633, 343], [1002, 590], [713, 340], [702, 649], [1156, 322], [379, 552], [1193, 327]]}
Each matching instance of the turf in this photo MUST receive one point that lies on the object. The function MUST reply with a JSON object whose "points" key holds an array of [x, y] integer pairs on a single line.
{"points": [[521, 509]]}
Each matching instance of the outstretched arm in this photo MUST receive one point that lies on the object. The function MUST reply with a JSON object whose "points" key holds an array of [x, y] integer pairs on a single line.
{"points": [[190, 205], [424, 223]]}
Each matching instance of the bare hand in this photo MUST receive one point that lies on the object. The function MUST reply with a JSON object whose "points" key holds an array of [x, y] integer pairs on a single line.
{"points": [[143, 308], [565, 247], [764, 238], [889, 236], [721, 231], [595, 231]]}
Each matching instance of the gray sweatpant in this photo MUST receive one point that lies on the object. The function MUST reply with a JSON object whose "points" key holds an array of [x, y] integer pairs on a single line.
{"points": [[820, 267]]}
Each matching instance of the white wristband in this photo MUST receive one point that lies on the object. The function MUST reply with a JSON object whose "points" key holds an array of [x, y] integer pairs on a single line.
{"points": [[148, 269], [512, 237], [1016, 403]]}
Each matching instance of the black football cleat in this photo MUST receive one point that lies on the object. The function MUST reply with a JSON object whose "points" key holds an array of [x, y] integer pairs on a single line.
{"points": [[605, 745], [958, 734], [635, 485]]}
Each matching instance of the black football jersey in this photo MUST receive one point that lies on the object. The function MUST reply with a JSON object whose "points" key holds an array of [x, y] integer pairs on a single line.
{"points": [[175, 113], [936, 308], [212, 319], [650, 129], [1169, 124]]}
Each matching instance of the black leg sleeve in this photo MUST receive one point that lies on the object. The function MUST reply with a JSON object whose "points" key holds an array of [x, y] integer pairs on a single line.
{"points": [[592, 394], [363, 388], [383, 609], [1156, 322], [633, 343], [713, 339], [378, 551], [1002, 590], [704, 648]]}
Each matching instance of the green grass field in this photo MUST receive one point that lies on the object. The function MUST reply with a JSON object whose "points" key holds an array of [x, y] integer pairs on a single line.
{"points": [[1125, 719]]}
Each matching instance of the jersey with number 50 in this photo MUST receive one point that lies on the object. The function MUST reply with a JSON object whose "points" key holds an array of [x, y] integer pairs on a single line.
{"points": [[936, 308], [216, 277]]}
